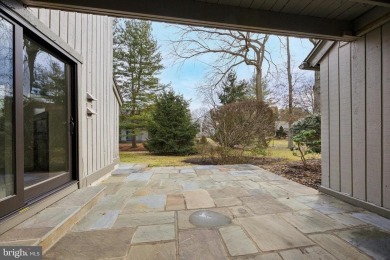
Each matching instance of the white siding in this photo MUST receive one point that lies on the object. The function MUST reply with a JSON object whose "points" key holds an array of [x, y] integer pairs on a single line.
{"points": [[91, 36], [355, 80]]}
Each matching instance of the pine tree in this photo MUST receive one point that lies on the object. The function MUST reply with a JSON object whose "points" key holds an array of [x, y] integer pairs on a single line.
{"points": [[233, 91], [136, 65], [171, 131]]}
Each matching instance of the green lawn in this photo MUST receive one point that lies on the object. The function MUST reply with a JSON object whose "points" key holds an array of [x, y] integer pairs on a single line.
{"points": [[153, 160], [276, 149]]}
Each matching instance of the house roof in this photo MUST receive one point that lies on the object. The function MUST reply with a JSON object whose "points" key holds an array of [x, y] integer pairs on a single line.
{"points": [[323, 19], [312, 61]]}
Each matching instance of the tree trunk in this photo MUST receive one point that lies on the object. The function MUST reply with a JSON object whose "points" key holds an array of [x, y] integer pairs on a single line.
{"points": [[133, 141], [317, 93], [290, 93], [259, 87]]}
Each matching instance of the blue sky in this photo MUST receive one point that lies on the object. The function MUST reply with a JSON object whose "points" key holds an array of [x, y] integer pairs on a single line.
{"points": [[184, 78]]}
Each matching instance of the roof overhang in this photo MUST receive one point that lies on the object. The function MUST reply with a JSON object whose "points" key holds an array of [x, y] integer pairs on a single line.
{"points": [[341, 20], [312, 61]]}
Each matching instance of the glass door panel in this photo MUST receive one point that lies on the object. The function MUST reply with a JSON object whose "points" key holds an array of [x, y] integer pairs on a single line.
{"points": [[46, 125], [7, 173]]}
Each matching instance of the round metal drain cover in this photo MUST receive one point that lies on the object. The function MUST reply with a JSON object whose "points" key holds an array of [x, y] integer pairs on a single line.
{"points": [[208, 218]]}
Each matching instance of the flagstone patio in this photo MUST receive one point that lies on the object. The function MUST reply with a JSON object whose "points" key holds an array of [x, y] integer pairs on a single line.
{"points": [[145, 215]]}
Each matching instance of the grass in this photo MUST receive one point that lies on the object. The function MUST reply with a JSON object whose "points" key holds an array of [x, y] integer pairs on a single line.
{"points": [[153, 160], [276, 149]]}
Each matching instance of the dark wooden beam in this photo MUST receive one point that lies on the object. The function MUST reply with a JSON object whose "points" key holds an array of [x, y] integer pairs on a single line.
{"points": [[384, 3], [207, 14], [371, 20]]}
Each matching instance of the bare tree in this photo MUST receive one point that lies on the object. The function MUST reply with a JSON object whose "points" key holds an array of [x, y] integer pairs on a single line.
{"points": [[293, 89], [305, 96], [290, 92], [231, 48]]}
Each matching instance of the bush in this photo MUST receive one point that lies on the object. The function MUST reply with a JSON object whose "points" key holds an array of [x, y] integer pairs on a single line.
{"points": [[240, 129], [245, 123], [171, 131], [307, 135], [280, 133]]}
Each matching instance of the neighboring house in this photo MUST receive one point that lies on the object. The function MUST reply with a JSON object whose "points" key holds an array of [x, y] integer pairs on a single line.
{"points": [[59, 105], [283, 124], [125, 136], [355, 108]]}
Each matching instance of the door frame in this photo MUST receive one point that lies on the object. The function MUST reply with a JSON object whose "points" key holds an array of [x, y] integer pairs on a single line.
{"points": [[24, 197], [13, 202]]}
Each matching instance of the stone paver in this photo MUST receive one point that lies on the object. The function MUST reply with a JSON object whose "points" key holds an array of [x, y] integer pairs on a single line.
{"points": [[373, 219], [310, 221], [372, 241], [227, 202], [241, 211], [17, 234], [144, 214], [271, 232], [198, 199], [144, 219], [158, 251], [229, 192], [139, 177], [175, 202], [236, 241], [261, 206], [347, 219], [51, 217], [92, 244], [145, 204], [97, 220], [155, 233], [308, 253], [268, 256], [293, 204], [337, 247], [111, 202], [201, 244]]}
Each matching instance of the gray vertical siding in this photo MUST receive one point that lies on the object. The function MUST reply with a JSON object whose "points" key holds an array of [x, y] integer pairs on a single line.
{"points": [[355, 98], [345, 119], [91, 36], [374, 116], [324, 78], [386, 114], [358, 119], [334, 120]]}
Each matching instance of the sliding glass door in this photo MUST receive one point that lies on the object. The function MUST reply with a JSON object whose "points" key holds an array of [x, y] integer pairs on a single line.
{"points": [[35, 117], [46, 118]]}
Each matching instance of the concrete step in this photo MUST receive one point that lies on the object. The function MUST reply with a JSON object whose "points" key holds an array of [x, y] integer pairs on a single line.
{"points": [[48, 226]]}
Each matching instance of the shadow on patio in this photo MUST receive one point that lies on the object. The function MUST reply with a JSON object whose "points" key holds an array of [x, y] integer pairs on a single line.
{"points": [[145, 215]]}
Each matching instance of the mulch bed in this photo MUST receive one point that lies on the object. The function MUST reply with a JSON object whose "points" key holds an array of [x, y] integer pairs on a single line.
{"points": [[309, 176]]}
